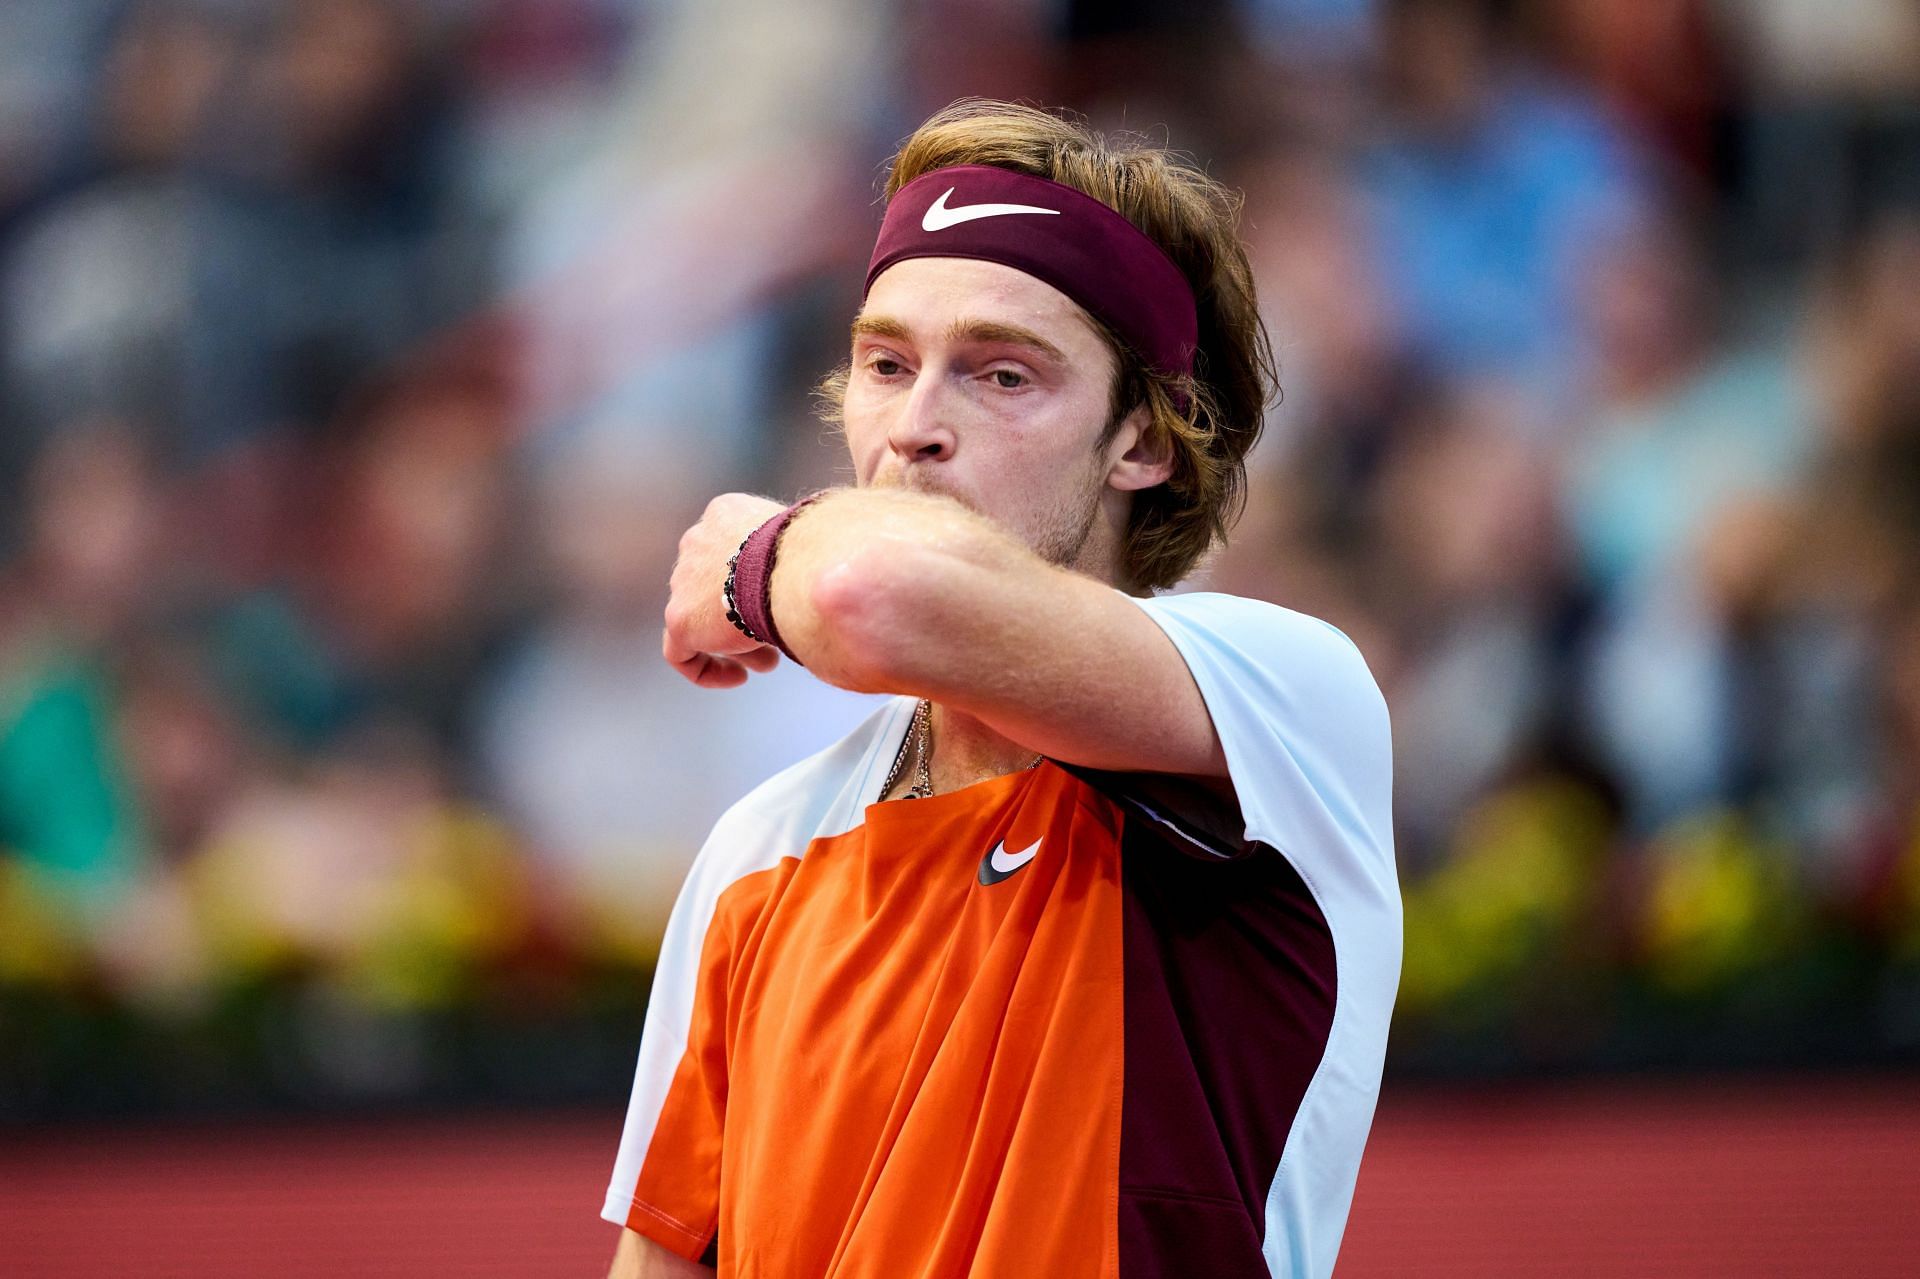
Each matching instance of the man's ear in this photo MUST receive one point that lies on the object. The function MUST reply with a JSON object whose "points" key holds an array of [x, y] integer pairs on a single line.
{"points": [[1138, 457]]}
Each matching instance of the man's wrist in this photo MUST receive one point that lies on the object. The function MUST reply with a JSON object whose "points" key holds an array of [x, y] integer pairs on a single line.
{"points": [[728, 595], [748, 589]]}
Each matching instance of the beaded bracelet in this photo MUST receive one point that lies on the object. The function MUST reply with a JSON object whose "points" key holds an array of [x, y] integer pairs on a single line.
{"points": [[748, 590], [733, 607]]}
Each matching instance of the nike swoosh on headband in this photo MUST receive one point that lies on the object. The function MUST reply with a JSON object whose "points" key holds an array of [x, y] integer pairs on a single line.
{"points": [[999, 863], [939, 217]]}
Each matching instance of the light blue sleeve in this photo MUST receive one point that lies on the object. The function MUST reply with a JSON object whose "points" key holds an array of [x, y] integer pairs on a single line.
{"points": [[1304, 728]]}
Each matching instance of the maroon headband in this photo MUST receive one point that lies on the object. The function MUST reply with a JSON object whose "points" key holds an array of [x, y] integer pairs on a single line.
{"points": [[1053, 233]]}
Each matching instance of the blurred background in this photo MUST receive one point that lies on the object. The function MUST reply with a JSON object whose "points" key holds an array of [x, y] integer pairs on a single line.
{"points": [[362, 360]]}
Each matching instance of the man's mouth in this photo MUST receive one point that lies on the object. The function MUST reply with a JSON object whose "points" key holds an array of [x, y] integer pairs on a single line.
{"points": [[916, 480]]}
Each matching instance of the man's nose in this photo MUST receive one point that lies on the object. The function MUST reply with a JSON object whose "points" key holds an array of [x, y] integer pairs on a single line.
{"points": [[923, 432]]}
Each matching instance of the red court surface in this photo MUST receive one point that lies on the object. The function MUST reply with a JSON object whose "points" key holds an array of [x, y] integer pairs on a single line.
{"points": [[1698, 1180]]}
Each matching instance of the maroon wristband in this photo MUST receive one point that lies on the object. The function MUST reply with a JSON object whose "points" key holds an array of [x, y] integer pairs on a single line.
{"points": [[752, 578]]}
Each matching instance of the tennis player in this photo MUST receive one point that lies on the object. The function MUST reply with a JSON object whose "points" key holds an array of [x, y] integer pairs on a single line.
{"points": [[1077, 958]]}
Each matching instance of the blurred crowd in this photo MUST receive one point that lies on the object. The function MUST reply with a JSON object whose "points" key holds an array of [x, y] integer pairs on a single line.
{"points": [[362, 360]]}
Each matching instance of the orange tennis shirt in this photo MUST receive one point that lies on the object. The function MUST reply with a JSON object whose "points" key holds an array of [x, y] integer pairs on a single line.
{"points": [[1056, 1023]]}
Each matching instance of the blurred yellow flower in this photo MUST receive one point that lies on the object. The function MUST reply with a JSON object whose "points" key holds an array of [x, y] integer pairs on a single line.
{"points": [[1720, 902], [42, 942], [1524, 865]]}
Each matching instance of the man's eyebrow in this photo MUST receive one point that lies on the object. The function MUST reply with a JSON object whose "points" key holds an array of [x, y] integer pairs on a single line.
{"points": [[1007, 334], [881, 326]]}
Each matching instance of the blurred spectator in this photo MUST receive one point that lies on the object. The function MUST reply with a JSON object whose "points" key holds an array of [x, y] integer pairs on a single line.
{"points": [[313, 251], [1832, 118], [1337, 32], [538, 77], [1824, 579], [397, 585], [1345, 390], [1662, 65], [1681, 431], [1487, 179], [1323, 299], [748, 156], [96, 288], [1470, 557], [46, 90], [73, 602]]}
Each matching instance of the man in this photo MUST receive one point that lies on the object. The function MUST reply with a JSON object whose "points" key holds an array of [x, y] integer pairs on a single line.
{"points": [[1078, 958]]}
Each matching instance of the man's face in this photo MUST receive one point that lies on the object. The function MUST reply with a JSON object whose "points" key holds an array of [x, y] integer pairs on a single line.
{"points": [[980, 382]]}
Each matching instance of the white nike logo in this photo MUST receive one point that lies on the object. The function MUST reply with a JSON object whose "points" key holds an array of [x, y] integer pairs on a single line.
{"points": [[939, 217], [1000, 863]]}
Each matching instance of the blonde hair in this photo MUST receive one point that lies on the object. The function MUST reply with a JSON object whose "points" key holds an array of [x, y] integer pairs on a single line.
{"points": [[1210, 419]]}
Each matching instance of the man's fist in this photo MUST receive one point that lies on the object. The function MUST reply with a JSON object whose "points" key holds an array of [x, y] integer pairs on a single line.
{"points": [[699, 640]]}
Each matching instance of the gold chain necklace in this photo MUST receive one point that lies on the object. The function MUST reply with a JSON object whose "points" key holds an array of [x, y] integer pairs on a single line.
{"points": [[919, 736]]}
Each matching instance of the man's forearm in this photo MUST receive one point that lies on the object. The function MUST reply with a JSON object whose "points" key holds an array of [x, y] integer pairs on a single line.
{"points": [[854, 567], [884, 591]]}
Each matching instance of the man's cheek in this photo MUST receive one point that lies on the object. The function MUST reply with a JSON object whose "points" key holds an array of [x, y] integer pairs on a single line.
{"points": [[866, 449], [875, 464]]}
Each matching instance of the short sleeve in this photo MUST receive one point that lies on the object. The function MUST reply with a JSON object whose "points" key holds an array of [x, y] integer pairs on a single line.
{"points": [[1303, 726], [666, 1180]]}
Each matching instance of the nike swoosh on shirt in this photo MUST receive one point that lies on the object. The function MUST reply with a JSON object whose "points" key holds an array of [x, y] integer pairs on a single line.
{"points": [[999, 863], [939, 217]]}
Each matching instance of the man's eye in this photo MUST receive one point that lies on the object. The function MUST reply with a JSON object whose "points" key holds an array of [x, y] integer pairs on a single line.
{"points": [[1008, 379], [883, 366]]}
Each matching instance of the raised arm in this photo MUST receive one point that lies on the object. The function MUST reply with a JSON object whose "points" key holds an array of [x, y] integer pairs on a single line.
{"points": [[898, 592]]}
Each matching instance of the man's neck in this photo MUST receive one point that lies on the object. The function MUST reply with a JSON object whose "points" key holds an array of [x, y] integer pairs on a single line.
{"points": [[965, 751]]}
